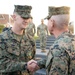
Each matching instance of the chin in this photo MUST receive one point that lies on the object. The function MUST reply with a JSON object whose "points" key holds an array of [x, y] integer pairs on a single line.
{"points": [[24, 26]]}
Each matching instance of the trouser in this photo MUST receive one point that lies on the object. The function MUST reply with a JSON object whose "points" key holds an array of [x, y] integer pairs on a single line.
{"points": [[43, 40]]}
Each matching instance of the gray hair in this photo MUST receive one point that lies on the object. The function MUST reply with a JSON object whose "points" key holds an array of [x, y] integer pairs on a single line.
{"points": [[61, 21]]}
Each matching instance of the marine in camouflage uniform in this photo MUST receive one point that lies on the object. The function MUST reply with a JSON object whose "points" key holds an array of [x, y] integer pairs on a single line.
{"points": [[16, 50], [59, 59], [31, 28], [42, 32], [61, 56]]}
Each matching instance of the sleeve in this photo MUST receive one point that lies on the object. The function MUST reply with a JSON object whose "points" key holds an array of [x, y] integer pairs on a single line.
{"points": [[59, 64], [41, 63], [44, 63], [7, 63]]}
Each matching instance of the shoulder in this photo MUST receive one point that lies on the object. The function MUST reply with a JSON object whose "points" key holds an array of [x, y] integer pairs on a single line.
{"points": [[31, 39], [64, 42], [4, 35], [5, 29]]}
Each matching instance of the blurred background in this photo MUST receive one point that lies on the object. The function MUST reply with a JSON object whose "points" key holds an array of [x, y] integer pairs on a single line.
{"points": [[39, 9]]}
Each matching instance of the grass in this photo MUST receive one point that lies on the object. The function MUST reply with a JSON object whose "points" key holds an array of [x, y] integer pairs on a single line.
{"points": [[36, 37], [1, 28]]}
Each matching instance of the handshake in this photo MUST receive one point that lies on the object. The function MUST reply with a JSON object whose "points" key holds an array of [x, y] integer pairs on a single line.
{"points": [[32, 66]]}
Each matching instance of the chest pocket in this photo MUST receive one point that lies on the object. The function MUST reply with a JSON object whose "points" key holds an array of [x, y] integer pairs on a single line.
{"points": [[13, 47]]}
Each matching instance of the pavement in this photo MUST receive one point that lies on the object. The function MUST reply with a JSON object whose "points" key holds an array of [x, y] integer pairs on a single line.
{"points": [[40, 54], [38, 51]]}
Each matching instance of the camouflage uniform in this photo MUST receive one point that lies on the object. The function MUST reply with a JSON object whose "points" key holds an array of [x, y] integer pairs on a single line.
{"points": [[15, 51], [4, 29], [61, 56], [42, 32], [31, 29]]}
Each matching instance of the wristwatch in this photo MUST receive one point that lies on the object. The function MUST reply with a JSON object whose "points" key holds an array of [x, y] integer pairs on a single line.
{"points": [[25, 66]]}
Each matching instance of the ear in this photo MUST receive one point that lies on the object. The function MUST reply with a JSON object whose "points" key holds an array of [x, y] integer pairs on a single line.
{"points": [[13, 17], [52, 23]]}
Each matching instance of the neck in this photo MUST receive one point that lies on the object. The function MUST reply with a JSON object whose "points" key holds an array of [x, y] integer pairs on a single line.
{"points": [[17, 30], [58, 32]]}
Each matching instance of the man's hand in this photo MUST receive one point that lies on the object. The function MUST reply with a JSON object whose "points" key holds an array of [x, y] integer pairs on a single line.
{"points": [[32, 66]]}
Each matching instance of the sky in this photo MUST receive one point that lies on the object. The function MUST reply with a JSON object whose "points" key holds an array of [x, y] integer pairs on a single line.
{"points": [[39, 7]]}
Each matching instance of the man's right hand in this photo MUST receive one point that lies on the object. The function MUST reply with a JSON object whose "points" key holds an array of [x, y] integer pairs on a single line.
{"points": [[32, 66]]}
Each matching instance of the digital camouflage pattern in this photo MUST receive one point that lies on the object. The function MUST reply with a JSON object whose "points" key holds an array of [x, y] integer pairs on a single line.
{"points": [[30, 29], [4, 29], [61, 56], [15, 51], [57, 10], [42, 32], [23, 10]]}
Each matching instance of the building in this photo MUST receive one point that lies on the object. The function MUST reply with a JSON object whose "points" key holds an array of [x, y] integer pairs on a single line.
{"points": [[4, 18]]}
